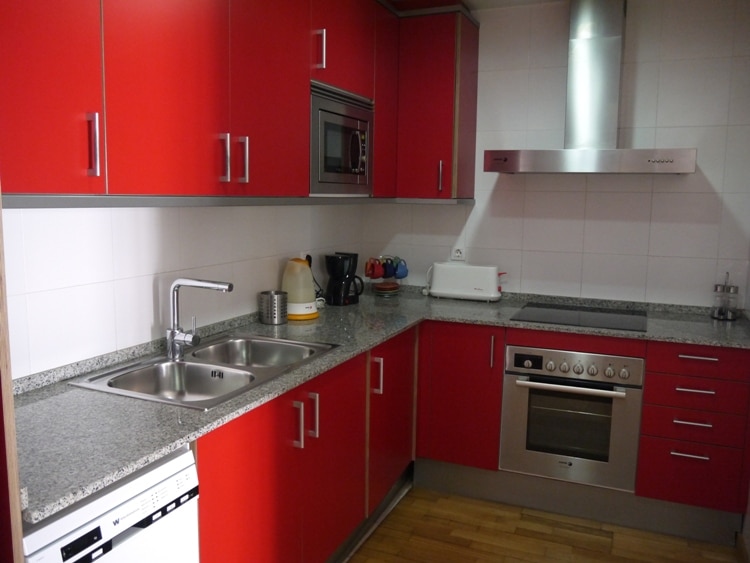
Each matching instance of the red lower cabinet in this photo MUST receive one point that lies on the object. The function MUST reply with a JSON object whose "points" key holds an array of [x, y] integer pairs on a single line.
{"points": [[391, 396], [459, 393], [694, 426], [286, 481]]}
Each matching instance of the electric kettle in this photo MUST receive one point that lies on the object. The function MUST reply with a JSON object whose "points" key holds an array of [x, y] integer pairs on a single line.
{"points": [[297, 281]]}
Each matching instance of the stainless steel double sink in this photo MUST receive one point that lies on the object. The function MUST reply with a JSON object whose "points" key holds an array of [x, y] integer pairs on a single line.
{"points": [[211, 373]]}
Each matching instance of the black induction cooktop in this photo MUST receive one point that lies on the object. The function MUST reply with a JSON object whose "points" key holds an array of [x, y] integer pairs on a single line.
{"points": [[575, 315]]}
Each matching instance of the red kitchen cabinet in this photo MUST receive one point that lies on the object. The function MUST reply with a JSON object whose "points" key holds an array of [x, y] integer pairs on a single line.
{"points": [[270, 98], [51, 64], [167, 84], [437, 106], [694, 426], [385, 128], [286, 481], [459, 393], [343, 46], [391, 395], [249, 488]]}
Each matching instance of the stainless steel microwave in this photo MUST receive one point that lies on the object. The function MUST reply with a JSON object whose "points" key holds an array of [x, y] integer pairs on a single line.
{"points": [[340, 143]]}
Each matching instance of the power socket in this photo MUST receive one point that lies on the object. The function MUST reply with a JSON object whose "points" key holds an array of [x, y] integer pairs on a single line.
{"points": [[458, 254]]}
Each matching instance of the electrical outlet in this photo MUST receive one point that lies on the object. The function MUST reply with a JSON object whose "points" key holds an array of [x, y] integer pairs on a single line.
{"points": [[303, 254], [458, 254]]}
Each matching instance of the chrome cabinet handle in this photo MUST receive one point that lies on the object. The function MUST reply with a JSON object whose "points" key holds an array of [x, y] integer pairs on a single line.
{"points": [[379, 389], [700, 358], [690, 456], [699, 391], [571, 389], [492, 351], [227, 177], [324, 41], [689, 423], [315, 432], [245, 142], [94, 168], [300, 406], [440, 176]]}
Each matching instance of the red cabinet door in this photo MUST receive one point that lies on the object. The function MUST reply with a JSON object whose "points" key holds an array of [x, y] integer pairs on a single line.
{"points": [[460, 393], [343, 47], [385, 127], [437, 106], [249, 500], [391, 394], [167, 83], [332, 468], [270, 98], [51, 64]]}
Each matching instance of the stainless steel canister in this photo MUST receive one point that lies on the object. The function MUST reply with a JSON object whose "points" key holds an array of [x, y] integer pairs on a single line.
{"points": [[272, 307]]}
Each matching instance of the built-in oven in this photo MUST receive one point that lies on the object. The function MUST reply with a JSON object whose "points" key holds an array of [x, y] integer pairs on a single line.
{"points": [[572, 416], [340, 143]]}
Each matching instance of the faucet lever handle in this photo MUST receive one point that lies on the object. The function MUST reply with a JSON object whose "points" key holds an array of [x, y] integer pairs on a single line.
{"points": [[194, 325]]}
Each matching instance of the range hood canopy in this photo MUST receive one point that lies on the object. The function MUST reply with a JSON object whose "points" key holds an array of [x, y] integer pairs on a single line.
{"points": [[592, 106]]}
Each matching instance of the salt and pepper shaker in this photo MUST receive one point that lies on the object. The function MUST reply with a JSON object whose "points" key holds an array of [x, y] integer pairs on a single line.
{"points": [[725, 301]]}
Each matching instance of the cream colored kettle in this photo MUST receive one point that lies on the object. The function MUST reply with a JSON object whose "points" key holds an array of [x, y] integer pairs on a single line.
{"points": [[297, 281]]}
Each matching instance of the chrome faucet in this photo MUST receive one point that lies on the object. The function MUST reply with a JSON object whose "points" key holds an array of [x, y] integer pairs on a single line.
{"points": [[177, 339]]}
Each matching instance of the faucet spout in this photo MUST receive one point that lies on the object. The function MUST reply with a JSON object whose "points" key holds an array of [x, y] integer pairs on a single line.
{"points": [[176, 337]]}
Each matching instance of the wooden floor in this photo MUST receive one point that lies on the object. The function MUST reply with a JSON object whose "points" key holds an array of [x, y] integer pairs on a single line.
{"points": [[439, 528]]}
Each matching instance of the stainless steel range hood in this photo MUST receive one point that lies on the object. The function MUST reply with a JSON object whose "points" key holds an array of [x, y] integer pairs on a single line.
{"points": [[592, 106]]}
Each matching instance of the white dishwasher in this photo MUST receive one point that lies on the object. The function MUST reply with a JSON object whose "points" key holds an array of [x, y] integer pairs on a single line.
{"points": [[151, 516]]}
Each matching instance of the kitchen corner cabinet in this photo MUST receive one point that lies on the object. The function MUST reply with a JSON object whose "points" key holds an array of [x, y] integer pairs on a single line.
{"points": [[385, 127], [167, 86], [438, 61], [459, 393], [286, 481], [270, 91], [343, 44], [391, 396], [51, 64], [694, 426]]}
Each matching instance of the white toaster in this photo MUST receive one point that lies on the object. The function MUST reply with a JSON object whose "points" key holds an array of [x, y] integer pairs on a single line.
{"points": [[460, 280]]}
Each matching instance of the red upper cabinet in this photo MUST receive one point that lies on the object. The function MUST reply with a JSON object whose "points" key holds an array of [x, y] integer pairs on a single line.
{"points": [[167, 83], [343, 44], [270, 98], [437, 106], [50, 61], [385, 128]]}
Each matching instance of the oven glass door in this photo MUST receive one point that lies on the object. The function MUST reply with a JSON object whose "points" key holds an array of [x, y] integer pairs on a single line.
{"points": [[566, 424]]}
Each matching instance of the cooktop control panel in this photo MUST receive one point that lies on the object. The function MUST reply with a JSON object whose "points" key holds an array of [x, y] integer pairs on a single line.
{"points": [[620, 370]]}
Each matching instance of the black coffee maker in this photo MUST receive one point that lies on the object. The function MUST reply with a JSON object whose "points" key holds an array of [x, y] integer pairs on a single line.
{"points": [[344, 286]]}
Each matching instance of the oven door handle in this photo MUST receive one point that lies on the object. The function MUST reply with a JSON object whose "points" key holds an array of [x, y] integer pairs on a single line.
{"points": [[570, 389]]}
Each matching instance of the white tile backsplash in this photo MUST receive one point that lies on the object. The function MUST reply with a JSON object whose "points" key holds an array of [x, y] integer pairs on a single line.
{"points": [[99, 278]]}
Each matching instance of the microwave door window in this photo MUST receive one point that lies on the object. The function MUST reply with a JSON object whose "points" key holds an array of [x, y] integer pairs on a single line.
{"points": [[334, 156]]}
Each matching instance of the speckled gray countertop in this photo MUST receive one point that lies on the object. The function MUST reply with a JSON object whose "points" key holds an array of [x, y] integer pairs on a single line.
{"points": [[73, 442]]}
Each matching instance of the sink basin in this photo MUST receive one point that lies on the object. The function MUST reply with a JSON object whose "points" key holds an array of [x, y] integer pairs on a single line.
{"points": [[253, 351], [194, 385]]}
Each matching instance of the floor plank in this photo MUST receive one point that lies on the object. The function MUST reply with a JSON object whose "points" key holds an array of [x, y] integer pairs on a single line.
{"points": [[431, 527]]}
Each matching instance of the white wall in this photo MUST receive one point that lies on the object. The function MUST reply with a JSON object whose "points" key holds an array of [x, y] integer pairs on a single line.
{"points": [[90, 281]]}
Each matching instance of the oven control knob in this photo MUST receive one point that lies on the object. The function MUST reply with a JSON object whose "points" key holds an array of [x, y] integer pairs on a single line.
{"points": [[624, 373], [593, 370], [527, 364], [564, 367], [550, 366], [609, 372], [578, 369]]}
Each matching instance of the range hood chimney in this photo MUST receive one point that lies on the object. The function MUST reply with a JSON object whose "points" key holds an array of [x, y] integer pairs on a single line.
{"points": [[592, 106]]}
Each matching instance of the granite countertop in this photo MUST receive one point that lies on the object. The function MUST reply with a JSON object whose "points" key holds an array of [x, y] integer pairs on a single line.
{"points": [[73, 442]]}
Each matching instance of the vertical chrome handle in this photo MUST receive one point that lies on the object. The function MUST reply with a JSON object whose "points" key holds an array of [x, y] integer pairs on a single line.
{"points": [[379, 389], [227, 176], [323, 42], [245, 142], [689, 423], [315, 432], [94, 168], [300, 406], [690, 456], [440, 176], [492, 352]]}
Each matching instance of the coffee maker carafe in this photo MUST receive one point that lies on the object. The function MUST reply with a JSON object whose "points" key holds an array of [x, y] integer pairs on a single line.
{"points": [[344, 286]]}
